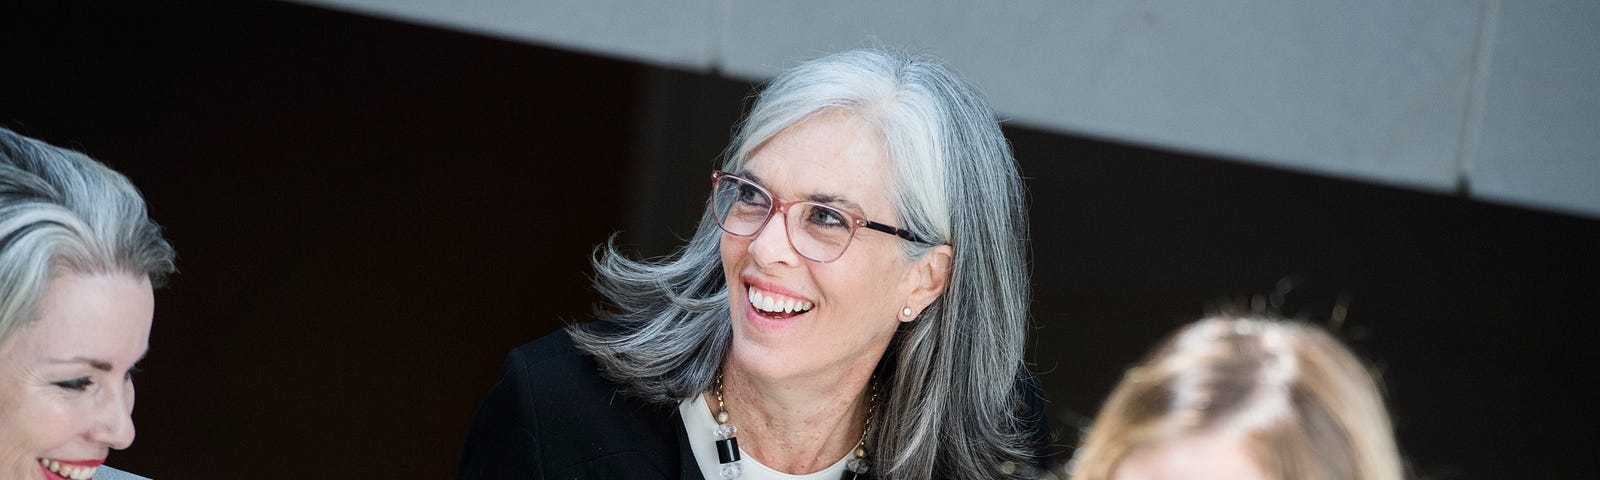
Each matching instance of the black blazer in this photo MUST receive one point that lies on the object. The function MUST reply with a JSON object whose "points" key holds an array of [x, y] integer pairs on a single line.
{"points": [[551, 415]]}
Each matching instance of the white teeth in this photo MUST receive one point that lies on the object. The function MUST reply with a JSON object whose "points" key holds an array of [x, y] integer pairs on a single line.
{"points": [[767, 303], [68, 471]]}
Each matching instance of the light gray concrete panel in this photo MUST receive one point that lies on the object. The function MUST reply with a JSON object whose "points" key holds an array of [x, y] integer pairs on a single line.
{"points": [[1418, 94], [1539, 144], [1374, 90], [679, 33]]}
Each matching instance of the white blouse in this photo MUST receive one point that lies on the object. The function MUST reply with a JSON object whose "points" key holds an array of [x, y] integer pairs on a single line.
{"points": [[702, 429]]}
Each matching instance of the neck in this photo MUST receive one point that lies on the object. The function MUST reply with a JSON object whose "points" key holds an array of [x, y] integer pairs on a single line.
{"points": [[797, 426]]}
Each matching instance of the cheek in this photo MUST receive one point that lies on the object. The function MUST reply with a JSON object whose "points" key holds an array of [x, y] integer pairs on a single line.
{"points": [[128, 399], [33, 424], [867, 291], [732, 251]]}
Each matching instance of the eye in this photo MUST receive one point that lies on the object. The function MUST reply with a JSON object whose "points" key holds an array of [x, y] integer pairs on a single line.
{"points": [[134, 370], [750, 195], [826, 217], [77, 384]]}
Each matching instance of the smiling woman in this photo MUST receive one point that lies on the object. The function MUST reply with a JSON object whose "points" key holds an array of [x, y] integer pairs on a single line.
{"points": [[852, 305], [78, 260]]}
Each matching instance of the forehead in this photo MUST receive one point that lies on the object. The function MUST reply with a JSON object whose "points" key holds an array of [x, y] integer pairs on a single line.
{"points": [[1195, 457], [102, 316], [831, 153]]}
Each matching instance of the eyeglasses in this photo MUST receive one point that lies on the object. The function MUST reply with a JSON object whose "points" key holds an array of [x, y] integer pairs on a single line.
{"points": [[816, 231]]}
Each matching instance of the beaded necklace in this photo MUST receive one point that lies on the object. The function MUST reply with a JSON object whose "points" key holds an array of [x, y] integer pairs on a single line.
{"points": [[728, 443]]}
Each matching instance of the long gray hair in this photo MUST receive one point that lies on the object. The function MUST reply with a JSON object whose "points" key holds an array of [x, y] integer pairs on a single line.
{"points": [[61, 211], [953, 375]]}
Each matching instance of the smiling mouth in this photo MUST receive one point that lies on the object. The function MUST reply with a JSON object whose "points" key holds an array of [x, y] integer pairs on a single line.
{"points": [[775, 306], [72, 472]]}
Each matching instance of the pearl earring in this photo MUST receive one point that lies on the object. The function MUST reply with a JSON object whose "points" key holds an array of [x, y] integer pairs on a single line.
{"points": [[906, 312]]}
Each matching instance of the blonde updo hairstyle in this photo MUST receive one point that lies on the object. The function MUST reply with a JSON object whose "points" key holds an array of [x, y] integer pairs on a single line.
{"points": [[1304, 406]]}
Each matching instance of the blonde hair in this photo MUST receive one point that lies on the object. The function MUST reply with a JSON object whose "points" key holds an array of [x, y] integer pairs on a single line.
{"points": [[1305, 406]]}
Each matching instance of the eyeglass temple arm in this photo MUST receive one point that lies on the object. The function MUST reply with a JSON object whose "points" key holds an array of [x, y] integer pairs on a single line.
{"points": [[902, 233]]}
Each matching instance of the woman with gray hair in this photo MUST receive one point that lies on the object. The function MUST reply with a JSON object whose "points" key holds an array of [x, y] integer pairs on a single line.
{"points": [[78, 261], [853, 304]]}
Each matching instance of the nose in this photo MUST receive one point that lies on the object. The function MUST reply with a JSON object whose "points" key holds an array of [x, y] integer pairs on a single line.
{"points": [[113, 424], [771, 244]]}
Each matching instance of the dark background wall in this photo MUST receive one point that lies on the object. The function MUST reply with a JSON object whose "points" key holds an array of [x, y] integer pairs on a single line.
{"points": [[369, 214]]}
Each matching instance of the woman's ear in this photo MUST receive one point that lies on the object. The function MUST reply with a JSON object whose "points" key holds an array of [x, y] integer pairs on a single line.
{"points": [[928, 279]]}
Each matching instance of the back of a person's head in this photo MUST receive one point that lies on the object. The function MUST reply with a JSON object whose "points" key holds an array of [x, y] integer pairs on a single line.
{"points": [[1296, 401]]}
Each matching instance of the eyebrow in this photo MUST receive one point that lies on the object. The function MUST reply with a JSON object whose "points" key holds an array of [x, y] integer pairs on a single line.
{"points": [[838, 201], [98, 364], [827, 198]]}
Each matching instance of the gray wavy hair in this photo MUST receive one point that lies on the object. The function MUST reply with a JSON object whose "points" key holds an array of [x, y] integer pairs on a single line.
{"points": [[953, 375], [61, 211]]}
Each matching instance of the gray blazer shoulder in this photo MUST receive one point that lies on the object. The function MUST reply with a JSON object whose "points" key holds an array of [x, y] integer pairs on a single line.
{"points": [[108, 473]]}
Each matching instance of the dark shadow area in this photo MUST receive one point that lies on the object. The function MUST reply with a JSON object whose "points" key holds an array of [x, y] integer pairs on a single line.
{"points": [[370, 214], [1476, 315]]}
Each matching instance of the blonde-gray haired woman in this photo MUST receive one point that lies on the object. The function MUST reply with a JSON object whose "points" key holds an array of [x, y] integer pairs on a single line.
{"points": [[78, 260], [1243, 399]]}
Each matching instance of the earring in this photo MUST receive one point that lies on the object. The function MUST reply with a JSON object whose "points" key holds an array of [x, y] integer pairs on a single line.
{"points": [[906, 312]]}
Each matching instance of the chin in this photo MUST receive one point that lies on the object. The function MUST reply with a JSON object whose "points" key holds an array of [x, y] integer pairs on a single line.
{"points": [[765, 360], [21, 469]]}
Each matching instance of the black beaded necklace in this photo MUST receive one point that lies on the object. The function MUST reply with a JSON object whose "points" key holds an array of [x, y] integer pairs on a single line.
{"points": [[728, 443]]}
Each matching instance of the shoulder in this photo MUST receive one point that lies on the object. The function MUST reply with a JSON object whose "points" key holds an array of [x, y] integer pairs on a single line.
{"points": [[107, 473], [558, 375], [556, 346], [553, 350], [555, 362], [552, 412]]}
